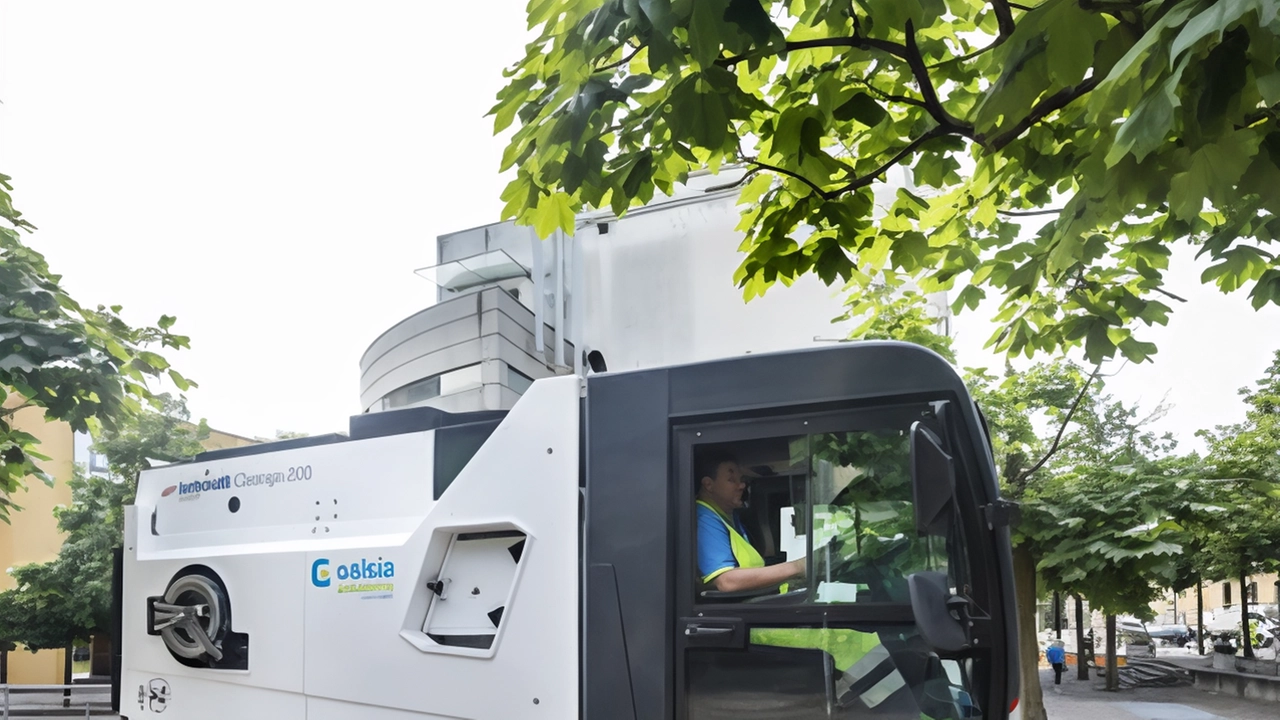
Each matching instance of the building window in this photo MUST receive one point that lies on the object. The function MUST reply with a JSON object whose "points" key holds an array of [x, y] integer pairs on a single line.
{"points": [[1226, 594], [518, 381], [446, 383], [97, 462]]}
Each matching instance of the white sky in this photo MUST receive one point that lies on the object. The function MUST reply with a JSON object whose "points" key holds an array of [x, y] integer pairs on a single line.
{"points": [[272, 172]]}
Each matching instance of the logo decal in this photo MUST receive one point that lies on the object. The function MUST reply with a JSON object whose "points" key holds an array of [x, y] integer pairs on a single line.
{"points": [[169, 491], [362, 570], [320, 573]]}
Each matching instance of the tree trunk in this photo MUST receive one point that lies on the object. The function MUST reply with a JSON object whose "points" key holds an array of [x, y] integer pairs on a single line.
{"points": [[1082, 663], [4, 667], [1057, 614], [1200, 614], [100, 655], [66, 674], [1113, 672], [1024, 581], [1246, 637]]}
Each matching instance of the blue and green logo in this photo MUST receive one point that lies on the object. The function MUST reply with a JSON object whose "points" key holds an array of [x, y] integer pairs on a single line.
{"points": [[362, 569]]}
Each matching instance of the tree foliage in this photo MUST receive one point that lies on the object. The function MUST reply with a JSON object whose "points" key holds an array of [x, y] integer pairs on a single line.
{"points": [[1115, 537], [166, 436], [69, 598], [1245, 460], [84, 366], [889, 312], [1069, 452], [1136, 125]]}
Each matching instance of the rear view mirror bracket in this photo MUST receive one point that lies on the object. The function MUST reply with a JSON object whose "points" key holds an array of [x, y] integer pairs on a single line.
{"points": [[1002, 513]]}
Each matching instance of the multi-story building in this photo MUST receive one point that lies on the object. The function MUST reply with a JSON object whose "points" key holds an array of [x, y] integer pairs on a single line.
{"points": [[1263, 593], [32, 534], [654, 287]]}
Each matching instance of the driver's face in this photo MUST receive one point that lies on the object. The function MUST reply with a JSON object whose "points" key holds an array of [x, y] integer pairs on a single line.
{"points": [[727, 486]]}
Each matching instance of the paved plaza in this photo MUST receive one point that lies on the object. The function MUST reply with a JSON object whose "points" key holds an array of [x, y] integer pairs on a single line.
{"points": [[1085, 699]]}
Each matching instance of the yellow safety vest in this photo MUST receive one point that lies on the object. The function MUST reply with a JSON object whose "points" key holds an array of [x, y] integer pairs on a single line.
{"points": [[845, 646], [743, 553]]}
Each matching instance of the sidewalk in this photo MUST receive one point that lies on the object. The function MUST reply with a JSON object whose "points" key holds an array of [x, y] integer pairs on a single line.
{"points": [[1086, 700]]}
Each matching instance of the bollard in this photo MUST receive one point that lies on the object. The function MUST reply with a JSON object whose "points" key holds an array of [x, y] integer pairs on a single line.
{"points": [[6, 701]]}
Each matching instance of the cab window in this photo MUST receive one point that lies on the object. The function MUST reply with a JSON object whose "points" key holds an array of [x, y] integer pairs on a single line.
{"points": [[839, 501]]}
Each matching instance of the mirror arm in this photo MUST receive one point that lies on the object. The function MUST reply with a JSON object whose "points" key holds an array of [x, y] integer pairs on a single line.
{"points": [[1002, 513]]}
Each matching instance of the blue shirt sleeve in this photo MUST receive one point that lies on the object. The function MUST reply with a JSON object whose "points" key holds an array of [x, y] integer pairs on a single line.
{"points": [[715, 554]]}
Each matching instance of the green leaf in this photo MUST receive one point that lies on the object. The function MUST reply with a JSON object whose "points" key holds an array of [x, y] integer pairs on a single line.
{"points": [[1072, 33], [894, 13], [705, 26], [1239, 265], [1147, 127], [1214, 20], [1098, 345], [659, 14], [1130, 63], [179, 381], [1214, 169], [641, 172], [554, 212], [752, 18], [811, 134], [16, 362], [969, 297], [863, 108]]}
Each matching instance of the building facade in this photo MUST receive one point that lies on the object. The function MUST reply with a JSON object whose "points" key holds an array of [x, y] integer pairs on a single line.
{"points": [[1263, 593], [652, 288]]}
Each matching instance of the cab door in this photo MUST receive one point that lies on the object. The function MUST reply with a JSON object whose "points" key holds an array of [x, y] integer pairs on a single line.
{"points": [[843, 640]]}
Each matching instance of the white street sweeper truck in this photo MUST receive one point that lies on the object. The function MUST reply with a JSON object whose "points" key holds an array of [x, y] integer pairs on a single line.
{"points": [[551, 561]]}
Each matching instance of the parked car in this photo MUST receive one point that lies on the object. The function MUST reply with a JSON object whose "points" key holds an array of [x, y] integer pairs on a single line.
{"points": [[1226, 622], [1175, 635]]}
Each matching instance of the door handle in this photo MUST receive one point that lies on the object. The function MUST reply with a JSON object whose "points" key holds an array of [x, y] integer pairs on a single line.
{"points": [[695, 630], [713, 632]]}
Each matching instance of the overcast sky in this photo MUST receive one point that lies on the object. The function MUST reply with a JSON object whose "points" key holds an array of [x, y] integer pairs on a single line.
{"points": [[272, 172]]}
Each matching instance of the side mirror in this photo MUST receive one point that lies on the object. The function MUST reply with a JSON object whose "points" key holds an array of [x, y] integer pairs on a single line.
{"points": [[933, 482], [942, 618]]}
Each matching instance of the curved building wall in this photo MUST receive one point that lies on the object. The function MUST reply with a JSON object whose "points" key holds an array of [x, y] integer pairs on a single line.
{"points": [[472, 352]]}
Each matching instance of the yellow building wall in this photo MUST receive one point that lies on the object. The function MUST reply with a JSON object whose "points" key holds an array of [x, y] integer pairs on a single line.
{"points": [[219, 440], [1214, 597], [33, 534], [42, 668]]}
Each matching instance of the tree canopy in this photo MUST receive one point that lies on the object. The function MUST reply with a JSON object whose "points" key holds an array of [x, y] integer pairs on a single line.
{"points": [[69, 598], [166, 435], [1244, 460], [85, 366], [1135, 125]]}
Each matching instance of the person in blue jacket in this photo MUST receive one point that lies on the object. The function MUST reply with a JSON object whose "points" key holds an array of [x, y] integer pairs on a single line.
{"points": [[1057, 657]]}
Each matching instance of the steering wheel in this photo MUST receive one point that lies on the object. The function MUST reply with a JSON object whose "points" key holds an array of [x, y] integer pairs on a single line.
{"points": [[854, 565]]}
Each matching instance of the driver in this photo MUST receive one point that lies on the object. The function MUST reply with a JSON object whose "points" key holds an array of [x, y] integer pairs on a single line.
{"points": [[726, 559]]}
